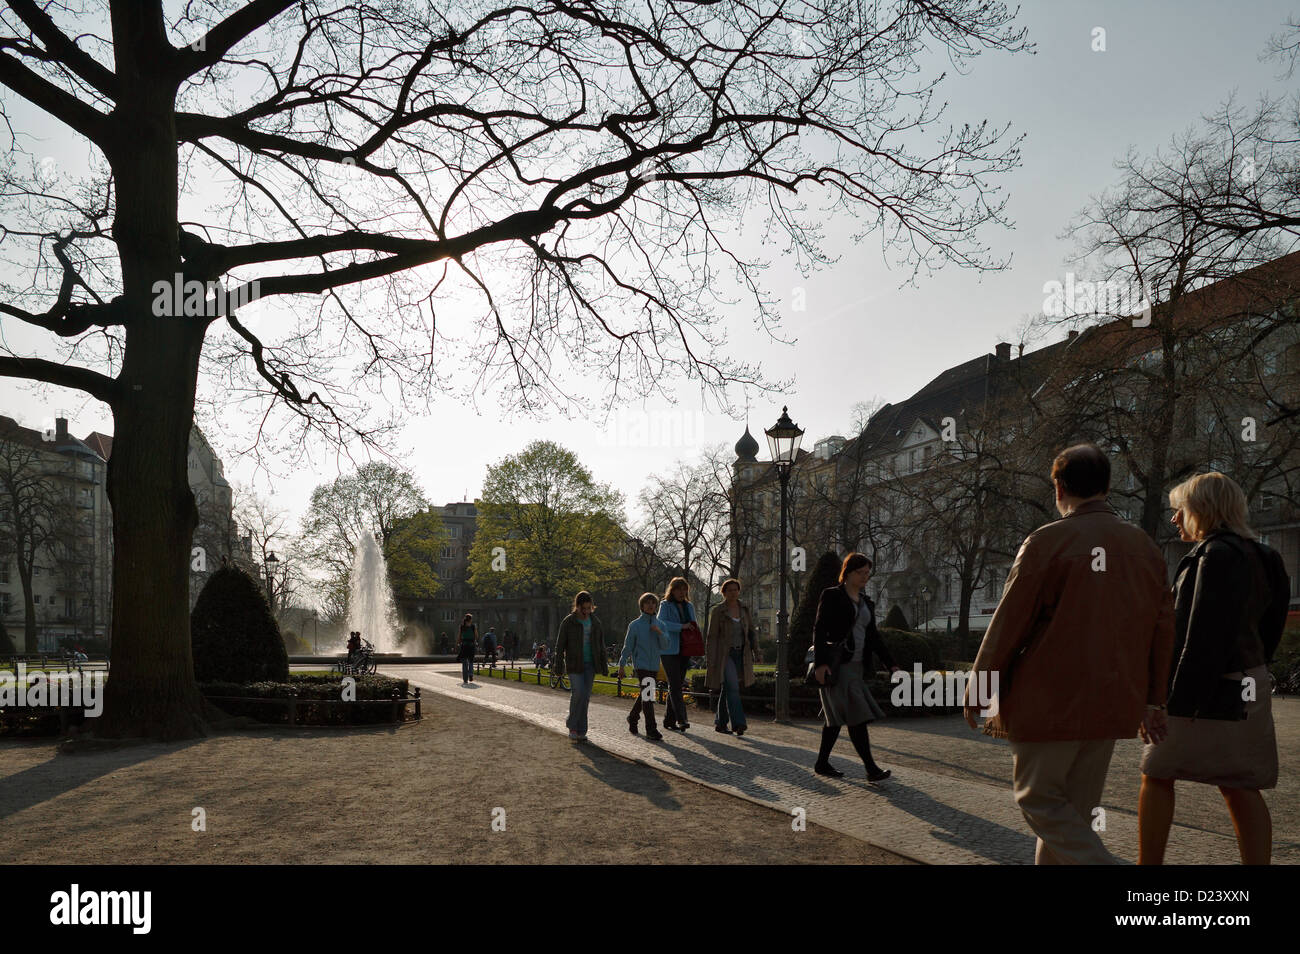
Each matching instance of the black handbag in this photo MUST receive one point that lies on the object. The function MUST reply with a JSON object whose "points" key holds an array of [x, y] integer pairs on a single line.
{"points": [[837, 653]]}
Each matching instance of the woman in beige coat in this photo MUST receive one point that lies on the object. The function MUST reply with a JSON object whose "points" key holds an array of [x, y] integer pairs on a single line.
{"points": [[730, 647]]}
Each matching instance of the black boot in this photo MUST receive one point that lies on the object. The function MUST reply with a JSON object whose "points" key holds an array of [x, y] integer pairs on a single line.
{"points": [[823, 767]]}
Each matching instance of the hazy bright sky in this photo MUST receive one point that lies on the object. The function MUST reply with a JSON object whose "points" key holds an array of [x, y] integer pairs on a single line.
{"points": [[862, 335]]}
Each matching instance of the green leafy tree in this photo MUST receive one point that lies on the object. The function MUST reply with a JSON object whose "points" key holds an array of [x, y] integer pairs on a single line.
{"points": [[412, 552], [377, 498], [545, 527]]}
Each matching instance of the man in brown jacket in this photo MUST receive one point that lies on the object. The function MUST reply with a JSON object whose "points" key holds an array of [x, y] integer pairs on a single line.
{"points": [[1078, 650]]}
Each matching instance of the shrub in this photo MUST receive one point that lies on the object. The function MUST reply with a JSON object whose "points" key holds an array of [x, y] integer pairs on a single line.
{"points": [[308, 688], [895, 619], [233, 634], [825, 574], [294, 644], [911, 648], [6, 644]]}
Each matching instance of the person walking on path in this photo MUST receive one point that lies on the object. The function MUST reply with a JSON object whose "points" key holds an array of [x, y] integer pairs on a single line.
{"points": [[675, 612], [731, 647], [844, 637], [490, 647], [1078, 649], [645, 641], [468, 646], [580, 651], [1230, 605]]}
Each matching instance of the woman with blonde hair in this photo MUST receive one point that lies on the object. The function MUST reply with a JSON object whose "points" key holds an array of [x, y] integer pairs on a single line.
{"points": [[1230, 604]]}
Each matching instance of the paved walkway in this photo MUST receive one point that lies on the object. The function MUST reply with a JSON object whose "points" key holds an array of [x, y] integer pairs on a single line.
{"points": [[945, 814]]}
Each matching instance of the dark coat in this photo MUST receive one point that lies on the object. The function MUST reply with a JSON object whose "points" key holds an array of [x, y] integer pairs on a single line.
{"points": [[836, 614], [1230, 606], [568, 646]]}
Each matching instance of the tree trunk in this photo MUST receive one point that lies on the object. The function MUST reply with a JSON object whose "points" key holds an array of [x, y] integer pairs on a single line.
{"points": [[151, 691], [29, 610], [963, 616]]}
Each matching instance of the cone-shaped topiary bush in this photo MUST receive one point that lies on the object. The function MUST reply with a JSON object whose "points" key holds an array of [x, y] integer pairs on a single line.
{"points": [[895, 619], [233, 635], [825, 574]]}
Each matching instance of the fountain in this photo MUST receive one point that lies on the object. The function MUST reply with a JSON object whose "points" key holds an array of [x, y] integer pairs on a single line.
{"points": [[370, 602]]}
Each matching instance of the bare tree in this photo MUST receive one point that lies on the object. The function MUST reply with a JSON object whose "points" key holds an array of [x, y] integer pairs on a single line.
{"points": [[30, 506], [1186, 297], [573, 165]]}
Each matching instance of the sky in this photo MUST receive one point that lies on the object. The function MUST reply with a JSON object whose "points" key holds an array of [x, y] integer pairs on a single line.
{"points": [[866, 332]]}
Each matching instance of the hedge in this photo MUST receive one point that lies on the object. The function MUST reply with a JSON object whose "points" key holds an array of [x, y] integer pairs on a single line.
{"points": [[380, 688]]}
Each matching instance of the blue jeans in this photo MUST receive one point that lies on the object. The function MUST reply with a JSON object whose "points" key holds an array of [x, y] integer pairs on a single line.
{"points": [[580, 697], [729, 697], [466, 668]]}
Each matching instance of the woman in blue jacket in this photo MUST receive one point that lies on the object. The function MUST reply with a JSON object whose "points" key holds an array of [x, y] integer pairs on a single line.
{"points": [[674, 613], [646, 640]]}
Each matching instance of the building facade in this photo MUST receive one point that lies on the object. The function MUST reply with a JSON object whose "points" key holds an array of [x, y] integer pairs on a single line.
{"points": [[71, 574]]}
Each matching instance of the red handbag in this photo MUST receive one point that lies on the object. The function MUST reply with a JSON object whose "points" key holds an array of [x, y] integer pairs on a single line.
{"points": [[691, 639]]}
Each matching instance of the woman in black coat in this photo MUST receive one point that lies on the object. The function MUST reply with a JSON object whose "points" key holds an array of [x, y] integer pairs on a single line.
{"points": [[844, 637], [1230, 605]]}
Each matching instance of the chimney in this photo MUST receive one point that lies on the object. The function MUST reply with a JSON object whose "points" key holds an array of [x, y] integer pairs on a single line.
{"points": [[1004, 351], [1072, 334], [61, 428]]}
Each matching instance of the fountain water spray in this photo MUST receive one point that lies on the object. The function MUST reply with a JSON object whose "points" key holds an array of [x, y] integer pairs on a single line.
{"points": [[370, 602]]}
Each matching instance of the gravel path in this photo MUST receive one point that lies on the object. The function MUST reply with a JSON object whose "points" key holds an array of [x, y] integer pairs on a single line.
{"points": [[420, 793]]}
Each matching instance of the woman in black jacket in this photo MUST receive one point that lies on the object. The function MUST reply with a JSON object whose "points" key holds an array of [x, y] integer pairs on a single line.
{"points": [[844, 636], [1230, 604]]}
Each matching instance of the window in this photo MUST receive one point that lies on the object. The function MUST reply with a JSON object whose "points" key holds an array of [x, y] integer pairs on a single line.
{"points": [[36, 571], [6, 604], [947, 589], [454, 531], [4, 573], [37, 599], [69, 606], [447, 615], [448, 553]]}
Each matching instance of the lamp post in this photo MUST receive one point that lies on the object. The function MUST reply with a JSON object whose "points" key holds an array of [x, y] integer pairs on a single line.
{"points": [[783, 440], [315, 633], [925, 597], [271, 561]]}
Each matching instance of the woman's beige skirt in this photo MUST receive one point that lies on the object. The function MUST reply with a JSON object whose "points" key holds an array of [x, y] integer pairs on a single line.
{"points": [[849, 701], [1231, 754]]}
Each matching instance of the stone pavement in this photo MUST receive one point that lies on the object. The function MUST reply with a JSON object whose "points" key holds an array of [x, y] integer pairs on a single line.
{"points": [[940, 814]]}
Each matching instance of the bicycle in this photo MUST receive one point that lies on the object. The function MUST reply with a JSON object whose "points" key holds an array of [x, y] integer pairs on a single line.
{"points": [[360, 663], [559, 680]]}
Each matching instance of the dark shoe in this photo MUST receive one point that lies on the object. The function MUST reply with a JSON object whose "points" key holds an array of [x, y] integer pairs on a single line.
{"points": [[828, 770], [878, 775], [675, 728], [654, 736], [740, 731], [631, 727], [685, 726], [722, 728], [671, 725]]}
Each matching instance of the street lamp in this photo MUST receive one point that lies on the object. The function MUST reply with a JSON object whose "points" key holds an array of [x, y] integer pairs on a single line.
{"points": [[315, 632], [783, 441], [271, 560], [925, 596]]}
